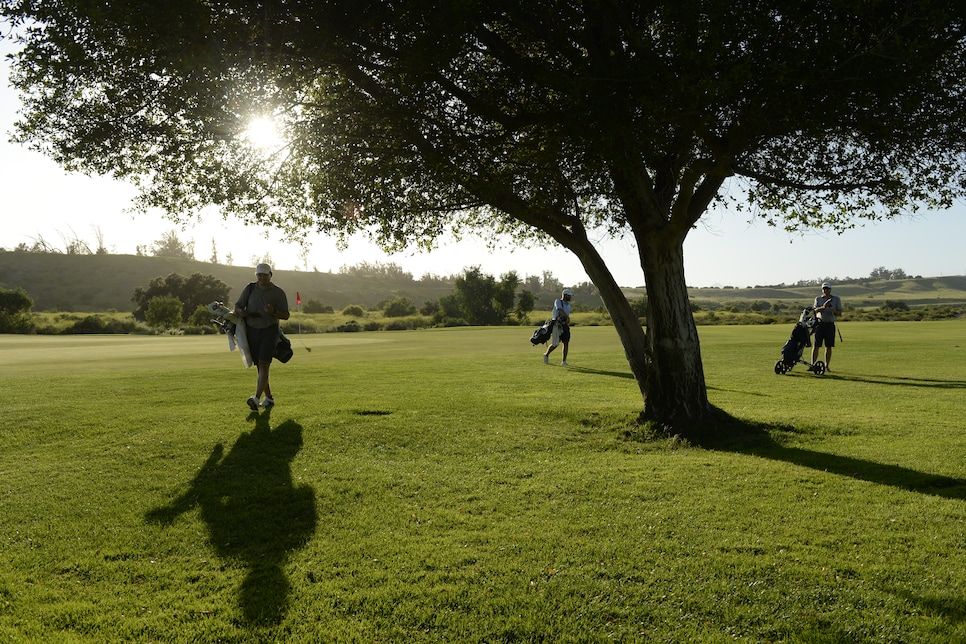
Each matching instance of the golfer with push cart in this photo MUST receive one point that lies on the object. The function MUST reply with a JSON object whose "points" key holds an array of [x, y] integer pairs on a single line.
{"points": [[827, 307]]}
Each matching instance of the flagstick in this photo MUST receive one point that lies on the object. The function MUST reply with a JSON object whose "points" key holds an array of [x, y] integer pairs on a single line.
{"points": [[298, 312]]}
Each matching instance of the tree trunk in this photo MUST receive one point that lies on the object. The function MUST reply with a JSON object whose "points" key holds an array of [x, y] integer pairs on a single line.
{"points": [[676, 394], [666, 360]]}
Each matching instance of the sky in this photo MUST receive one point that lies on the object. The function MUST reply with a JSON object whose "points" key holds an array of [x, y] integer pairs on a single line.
{"points": [[41, 201]]}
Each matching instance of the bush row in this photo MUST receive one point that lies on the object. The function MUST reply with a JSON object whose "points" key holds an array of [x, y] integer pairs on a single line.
{"points": [[72, 324]]}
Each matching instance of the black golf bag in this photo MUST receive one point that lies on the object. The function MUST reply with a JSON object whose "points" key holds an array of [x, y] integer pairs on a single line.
{"points": [[800, 339], [543, 333]]}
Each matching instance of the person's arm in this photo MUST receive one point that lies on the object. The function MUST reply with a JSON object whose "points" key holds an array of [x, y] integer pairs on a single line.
{"points": [[279, 312], [242, 303], [562, 313]]}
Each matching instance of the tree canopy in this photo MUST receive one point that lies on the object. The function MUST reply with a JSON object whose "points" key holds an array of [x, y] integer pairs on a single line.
{"points": [[15, 306], [480, 299], [194, 291], [548, 120], [170, 245]]}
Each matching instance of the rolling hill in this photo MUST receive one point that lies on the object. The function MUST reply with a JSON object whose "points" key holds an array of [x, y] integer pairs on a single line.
{"points": [[92, 283]]}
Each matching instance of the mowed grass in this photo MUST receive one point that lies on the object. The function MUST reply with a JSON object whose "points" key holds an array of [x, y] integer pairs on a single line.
{"points": [[446, 485]]}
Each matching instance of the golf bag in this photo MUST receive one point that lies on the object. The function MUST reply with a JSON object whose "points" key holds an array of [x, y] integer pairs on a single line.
{"points": [[543, 333], [228, 323], [800, 339], [224, 320], [283, 350]]}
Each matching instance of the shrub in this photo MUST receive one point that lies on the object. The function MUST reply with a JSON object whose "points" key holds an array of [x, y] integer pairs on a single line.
{"points": [[349, 327], [15, 306], [354, 311], [639, 306], [200, 317], [315, 306], [407, 324], [894, 305], [449, 321], [399, 307], [760, 306], [199, 330], [163, 312], [293, 327], [96, 324]]}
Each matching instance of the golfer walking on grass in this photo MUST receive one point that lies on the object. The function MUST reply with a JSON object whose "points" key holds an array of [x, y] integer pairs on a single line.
{"points": [[262, 304], [827, 306], [561, 327]]}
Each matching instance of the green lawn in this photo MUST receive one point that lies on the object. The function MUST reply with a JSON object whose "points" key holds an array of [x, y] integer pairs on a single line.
{"points": [[446, 485]]}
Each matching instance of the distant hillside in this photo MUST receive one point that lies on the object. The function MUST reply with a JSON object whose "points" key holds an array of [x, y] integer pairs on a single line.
{"points": [[860, 295], [91, 283], [864, 294]]}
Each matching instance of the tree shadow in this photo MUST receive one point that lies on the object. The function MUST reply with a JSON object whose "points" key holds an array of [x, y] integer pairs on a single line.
{"points": [[254, 512], [599, 372], [939, 602], [889, 380], [764, 441], [758, 439]]}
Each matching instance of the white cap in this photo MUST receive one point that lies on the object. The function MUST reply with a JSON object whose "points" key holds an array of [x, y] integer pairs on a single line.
{"points": [[826, 285], [567, 291], [263, 269]]}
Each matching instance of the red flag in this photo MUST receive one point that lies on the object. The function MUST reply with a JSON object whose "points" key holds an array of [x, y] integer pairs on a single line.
{"points": [[298, 298]]}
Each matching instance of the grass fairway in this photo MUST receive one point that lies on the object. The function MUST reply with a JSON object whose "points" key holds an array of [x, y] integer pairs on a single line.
{"points": [[445, 485]]}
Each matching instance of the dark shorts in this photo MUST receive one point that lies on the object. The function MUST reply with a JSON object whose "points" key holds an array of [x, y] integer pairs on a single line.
{"points": [[565, 333], [825, 334], [261, 342]]}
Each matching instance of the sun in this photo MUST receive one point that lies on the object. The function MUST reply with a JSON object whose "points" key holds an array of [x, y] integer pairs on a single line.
{"points": [[262, 132]]}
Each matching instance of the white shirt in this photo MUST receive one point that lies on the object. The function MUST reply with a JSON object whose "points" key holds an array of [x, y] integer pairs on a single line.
{"points": [[560, 306]]}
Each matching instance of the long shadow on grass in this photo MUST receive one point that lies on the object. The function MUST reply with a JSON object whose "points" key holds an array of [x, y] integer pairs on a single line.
{"points": [[900, 381], [599, 372], [759, 440], [254, 512]]}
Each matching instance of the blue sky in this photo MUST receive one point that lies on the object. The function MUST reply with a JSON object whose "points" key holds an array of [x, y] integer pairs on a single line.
{"points": [[42, 201]]}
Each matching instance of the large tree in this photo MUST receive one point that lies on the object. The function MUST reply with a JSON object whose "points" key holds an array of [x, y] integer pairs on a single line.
{"points": [[548, 120], [194, 291]]}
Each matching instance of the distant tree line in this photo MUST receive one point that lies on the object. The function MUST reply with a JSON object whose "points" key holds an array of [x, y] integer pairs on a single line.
{"points": [[542, 286], [169, 245], [478, 299], [878, 274], [71, 244], [164, 312]]}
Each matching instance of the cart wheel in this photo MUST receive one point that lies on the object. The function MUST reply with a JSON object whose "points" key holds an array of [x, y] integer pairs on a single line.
{"points": [[819, 368], [780, 367]]}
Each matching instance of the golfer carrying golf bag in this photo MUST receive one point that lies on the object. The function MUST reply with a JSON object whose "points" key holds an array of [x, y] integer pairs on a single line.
{"points": [[561, 327], [827, 307], [262, 304]]}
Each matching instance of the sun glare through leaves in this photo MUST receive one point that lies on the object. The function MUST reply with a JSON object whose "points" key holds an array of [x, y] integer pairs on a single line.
{"points": [[262, 132]]}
